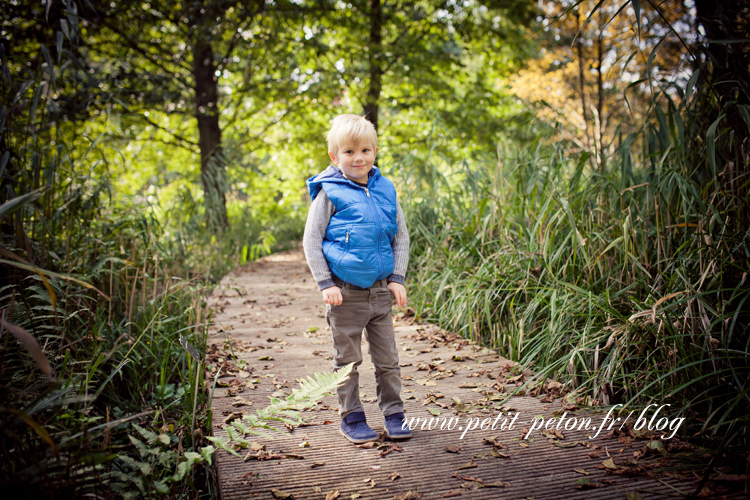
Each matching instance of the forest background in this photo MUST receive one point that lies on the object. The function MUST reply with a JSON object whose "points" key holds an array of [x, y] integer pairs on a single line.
{"points": [[574, 175]]}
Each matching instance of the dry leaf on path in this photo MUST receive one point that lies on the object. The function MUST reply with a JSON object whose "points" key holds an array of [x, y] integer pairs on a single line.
{"points": [[452, 448], [409, 495], [609, 464], [332, 495], [282, 495]]}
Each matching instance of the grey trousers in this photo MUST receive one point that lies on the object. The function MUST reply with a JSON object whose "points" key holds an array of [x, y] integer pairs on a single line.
{"points": [[368, 310]]}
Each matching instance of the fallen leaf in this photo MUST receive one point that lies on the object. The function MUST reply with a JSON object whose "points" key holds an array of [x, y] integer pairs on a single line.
{"points": [[294, 456], [633, 495], [317, 464], [494, 442], [426, 382], [240, 401], [282, 495], [586, 484], [332, 495], [262, 455], [571, 444], [409, 495], [496, 484], [452, 448], [366, 446], [469, 465], [452, 493], [657, 446], [317, 489], [434, 411], [304, 444], [394, 475], [233, 416], [581, 471], [355, 495], [391, 448], [609, 464]]}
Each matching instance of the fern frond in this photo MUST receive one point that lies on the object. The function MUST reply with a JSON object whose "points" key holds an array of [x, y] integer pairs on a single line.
{"points": [[310, 391]]}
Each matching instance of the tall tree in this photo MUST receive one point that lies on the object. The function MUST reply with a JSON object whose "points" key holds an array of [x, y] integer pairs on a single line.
{"points": [[375, 53], [407, 62], [592, 74], [172, 55]]}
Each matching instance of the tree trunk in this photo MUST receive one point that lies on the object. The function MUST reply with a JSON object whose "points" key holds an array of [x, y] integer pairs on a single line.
{"points": [[375, 61], [600, 94], [213, 174], [582, 81]]}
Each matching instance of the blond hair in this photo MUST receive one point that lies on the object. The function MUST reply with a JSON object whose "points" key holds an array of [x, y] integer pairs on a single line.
{"points": [[351, 129]]}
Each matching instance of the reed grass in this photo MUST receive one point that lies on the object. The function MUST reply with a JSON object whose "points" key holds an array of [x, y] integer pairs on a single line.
{"points": [[100, 287], [630, 285]]}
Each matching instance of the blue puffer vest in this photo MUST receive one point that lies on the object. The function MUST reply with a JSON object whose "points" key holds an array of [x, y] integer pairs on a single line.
{"points": [[358, 240]]}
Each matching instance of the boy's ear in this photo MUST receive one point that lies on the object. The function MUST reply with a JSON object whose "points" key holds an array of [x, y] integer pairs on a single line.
{"points": [[332, 158]]}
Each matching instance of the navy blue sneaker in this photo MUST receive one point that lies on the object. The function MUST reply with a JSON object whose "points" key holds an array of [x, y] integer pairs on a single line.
{"points": [[354, 428], [395, 426]]}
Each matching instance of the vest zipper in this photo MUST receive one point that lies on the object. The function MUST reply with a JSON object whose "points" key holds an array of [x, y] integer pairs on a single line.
{"points": [[380, 229], [347, 238]]}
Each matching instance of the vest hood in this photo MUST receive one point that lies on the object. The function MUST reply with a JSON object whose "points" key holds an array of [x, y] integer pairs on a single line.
{"points": [[332, 174]]}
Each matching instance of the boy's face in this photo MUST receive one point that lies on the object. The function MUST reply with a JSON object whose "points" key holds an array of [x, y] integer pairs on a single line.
{"points": [[355, 160]]}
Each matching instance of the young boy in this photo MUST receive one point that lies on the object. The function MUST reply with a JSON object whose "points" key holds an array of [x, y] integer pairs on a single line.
{"points": [[357, 247]]}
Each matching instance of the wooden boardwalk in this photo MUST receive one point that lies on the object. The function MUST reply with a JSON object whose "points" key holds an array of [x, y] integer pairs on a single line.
{"points": [[273, 315]]}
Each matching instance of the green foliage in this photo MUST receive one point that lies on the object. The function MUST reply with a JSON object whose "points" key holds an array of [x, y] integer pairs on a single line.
{"points": [[629, 284], [99, 286], [158, 467]]}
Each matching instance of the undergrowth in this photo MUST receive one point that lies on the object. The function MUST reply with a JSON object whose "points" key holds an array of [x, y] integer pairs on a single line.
{"points": [[629, 284], [97, 395]]}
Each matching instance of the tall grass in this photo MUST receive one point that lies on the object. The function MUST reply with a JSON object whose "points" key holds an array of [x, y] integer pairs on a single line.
{"points": [[631, 285], [99, 289]]}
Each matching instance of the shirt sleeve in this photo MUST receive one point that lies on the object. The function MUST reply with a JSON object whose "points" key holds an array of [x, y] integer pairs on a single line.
{"points": [[320, 214], [400, 247]]}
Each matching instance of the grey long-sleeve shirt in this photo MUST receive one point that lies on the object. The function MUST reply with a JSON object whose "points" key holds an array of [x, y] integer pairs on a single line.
{"points": [[318, 218]]}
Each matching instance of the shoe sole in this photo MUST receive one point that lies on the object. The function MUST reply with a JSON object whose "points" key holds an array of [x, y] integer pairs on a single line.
{"points": [[396, 438], [357, 441]]}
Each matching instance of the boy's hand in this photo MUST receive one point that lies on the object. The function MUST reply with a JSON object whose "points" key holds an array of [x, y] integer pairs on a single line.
{"points": [[399, 291], [332, 295]]}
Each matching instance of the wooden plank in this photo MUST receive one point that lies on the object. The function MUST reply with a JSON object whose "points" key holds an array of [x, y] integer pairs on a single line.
{"points": [[272, 309]]}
